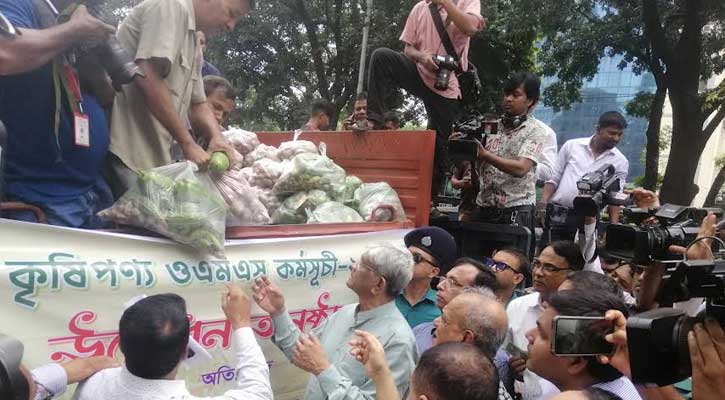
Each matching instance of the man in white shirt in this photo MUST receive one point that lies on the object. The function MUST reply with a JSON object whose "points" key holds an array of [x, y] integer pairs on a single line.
{"points": [[547, 163], [549, 271], [46, 382], [576, 158], [576, 372], [154, 335]]}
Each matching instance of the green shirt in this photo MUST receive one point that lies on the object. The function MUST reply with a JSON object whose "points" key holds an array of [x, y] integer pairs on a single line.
{"points": [[346, 377], [424, 311]]}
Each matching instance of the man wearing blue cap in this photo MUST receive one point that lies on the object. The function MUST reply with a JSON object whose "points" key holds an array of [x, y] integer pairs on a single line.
{"points": [[433, 251]]}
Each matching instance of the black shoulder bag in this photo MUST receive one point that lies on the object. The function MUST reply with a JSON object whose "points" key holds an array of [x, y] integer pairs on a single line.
{"points": [[468, 80]]}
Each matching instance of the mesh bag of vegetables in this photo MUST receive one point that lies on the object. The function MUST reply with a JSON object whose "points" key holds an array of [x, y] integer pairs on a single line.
{"points": [[332, 212], [266, 172], [177, 202], [379, 202], [262, 151], [288, 150], [243, 141], [309, 171], [244, 205]]}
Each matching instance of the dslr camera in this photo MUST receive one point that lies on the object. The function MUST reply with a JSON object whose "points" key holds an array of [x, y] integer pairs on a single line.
{"points": [[648, 241], [446, 66], [114, 59], [474, 130], [598, 189]]}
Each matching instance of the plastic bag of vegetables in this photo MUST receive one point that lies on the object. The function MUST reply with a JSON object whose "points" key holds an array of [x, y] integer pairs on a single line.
{"points": [[243, 141], [292, 210], [332, 212], [177, 202], [262, 151], [266, 172], [346, 193], [309, 171], [288, 150], [379, 202], [245, 208]]}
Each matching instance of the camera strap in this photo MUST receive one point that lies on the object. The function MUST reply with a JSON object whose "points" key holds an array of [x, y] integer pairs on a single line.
{"points": [[443, 33], [65, 79]]}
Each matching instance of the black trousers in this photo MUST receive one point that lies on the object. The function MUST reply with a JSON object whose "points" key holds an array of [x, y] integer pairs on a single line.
{"points": [[390, 71]]}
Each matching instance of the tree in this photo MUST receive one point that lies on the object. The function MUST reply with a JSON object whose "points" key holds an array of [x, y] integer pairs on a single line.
{"points": [[291, 51], [679, 41]]}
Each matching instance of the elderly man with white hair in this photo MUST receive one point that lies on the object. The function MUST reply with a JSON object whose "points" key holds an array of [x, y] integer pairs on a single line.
{"points": [[380, 275]]}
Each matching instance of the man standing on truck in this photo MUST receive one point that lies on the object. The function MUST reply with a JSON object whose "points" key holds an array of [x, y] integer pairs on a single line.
{"points": [[416, 70]]}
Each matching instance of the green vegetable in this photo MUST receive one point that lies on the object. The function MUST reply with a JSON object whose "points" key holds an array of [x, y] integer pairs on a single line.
{"points": [[219, 162]]}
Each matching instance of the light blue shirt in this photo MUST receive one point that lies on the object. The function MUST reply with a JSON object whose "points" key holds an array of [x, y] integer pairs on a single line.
{"points": [[346, 377]]}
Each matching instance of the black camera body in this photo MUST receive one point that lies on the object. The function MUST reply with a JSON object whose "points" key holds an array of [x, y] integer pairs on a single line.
{"points": [[446, 66], [649, 242], [474, 130], [657, 339], [598, 189], [111, 55]]}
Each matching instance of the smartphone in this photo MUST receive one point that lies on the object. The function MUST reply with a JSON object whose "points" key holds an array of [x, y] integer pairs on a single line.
{"points": [[581, 336]]}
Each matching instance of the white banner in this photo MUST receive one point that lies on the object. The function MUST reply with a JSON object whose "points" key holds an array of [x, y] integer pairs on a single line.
{"points": [[62, 292]]}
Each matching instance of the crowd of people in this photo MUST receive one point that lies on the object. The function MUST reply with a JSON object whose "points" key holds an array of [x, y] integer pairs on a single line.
{"points": [[427, 324], [479, 335]]}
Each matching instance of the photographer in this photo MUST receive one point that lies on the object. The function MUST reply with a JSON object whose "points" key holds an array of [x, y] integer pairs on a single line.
{"points": [[152, 113], [507, 164], [576, 158], [416, 70], [576, 372], [52, 108]]}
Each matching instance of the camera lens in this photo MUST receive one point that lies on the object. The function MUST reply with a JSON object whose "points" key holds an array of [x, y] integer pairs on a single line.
{"points": [[442, 78]]}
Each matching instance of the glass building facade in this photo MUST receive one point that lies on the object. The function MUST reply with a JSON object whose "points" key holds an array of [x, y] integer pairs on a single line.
{"points": [[610, 90]]}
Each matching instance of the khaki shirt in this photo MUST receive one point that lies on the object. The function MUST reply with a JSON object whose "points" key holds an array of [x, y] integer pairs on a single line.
{"points": [[166, 30], [499, 189]]}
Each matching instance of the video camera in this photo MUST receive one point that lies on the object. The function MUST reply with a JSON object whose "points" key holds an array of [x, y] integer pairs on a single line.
{"points": [[474, 130], [657, 339], [446, 65], [598, 189], [648, 241], [115, 60]]}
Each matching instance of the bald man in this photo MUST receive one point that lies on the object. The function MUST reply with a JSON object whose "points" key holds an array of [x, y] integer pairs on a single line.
{"points": [[478, 318]]}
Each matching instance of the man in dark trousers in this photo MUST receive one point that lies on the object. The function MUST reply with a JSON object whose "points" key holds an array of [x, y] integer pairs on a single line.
{"points": [[415, 70]]}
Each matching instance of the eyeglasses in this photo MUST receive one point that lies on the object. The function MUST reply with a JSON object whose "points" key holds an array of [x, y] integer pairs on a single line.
{"points": [[498, 266], [417, 259], [450, 281], [548, 268], [359, 264]]}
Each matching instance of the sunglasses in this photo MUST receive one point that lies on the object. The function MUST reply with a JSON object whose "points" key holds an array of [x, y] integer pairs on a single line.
{"points": [[417, 259], [498, 266]]}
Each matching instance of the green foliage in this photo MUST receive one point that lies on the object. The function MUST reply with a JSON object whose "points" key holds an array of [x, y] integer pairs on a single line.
{"points": [[578, 33], [639, 182], [641, 105], [288, 52]]}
